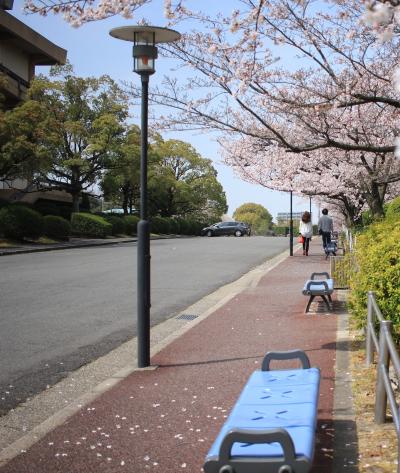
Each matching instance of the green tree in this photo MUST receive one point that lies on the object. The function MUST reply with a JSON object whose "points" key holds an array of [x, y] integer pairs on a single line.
{"points": [[184, 184], [24, 132], [120, 183], [86, 125], [255, 215]]}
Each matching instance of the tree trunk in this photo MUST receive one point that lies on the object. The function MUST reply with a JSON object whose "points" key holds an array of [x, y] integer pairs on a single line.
{"points": [[75, 202], [375, 198]]}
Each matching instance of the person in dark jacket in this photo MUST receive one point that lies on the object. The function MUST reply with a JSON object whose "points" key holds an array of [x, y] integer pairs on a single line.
{"points": [[325, 228]]}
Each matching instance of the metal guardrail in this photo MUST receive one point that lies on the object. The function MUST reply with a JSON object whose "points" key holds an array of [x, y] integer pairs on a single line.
{"points": [[386, 349]]}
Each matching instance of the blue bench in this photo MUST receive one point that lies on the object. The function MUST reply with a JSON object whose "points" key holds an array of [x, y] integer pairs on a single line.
{"points": [[271, 428], [331, 249], [319, 287]]}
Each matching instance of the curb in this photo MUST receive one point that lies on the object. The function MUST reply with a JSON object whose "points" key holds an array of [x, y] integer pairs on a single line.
{"points": [[67, 246]]}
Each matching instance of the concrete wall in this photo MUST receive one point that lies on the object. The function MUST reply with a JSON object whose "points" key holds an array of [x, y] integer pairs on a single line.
{"points": [[15, 60]]}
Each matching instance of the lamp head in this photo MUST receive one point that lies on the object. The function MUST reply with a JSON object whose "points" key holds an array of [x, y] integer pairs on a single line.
{"points": [[144, 40]]}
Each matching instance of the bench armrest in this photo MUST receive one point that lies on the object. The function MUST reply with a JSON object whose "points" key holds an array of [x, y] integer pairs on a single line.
{"points": [[320, 274], [285, 355], [260, 436], [317, 283]]}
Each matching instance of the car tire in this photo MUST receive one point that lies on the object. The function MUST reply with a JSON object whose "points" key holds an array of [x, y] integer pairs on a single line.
{"points": [[209, 233], [238, 233]]}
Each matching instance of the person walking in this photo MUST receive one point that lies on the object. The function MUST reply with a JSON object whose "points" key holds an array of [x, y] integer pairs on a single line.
{"points": [[325, 228], [306, 231]]}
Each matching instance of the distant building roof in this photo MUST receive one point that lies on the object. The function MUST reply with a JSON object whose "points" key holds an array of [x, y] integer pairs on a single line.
{"points": [[21, 49]]}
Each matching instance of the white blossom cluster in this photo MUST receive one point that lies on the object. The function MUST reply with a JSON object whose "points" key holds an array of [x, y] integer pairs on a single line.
{"points": [[384, 17], [78, 12]]}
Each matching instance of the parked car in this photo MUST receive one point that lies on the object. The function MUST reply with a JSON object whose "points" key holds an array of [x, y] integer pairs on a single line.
{"points": [[114, 211], [227, 228]]}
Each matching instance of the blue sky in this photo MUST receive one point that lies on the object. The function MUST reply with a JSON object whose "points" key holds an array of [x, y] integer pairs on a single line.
{"points": [[93, 52]]}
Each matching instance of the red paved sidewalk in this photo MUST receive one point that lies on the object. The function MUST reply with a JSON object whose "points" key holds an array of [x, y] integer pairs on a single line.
{"points": [[165, 420]]}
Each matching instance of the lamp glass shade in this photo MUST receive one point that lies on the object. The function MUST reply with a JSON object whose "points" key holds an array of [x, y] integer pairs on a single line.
{"points": [[144, 64]]}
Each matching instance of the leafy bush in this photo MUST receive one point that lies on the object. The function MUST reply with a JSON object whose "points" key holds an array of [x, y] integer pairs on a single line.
{"points": [[84, 224], [118, 224], [173, 226], [393, 208], [4, 203], [19, 222], [160, 225], [184, 226], [378, 269], [131, 222], [56, 227], [281, 231], [49, 207]]}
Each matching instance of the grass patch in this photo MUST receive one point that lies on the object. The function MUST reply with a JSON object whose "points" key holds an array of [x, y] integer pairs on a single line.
{"points": [[377, 444], [7, 244]]}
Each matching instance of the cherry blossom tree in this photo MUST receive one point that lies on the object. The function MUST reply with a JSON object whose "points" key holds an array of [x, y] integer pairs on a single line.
{"points": [[335, 98], [290, 81], [77, 12]]}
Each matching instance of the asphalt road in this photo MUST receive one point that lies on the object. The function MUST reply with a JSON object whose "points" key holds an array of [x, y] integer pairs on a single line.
{"points": [[60, 310]]}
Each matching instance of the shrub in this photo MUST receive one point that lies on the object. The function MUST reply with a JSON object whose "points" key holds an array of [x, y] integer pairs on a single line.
{"points": [[84, 224], [19, 222], [56, 227], [195, 227], [393, 208], [4, 203], [184, 226], [118, 224], [160, 225], [173, 226], [281, 231], [131, 222], [378, 269]]}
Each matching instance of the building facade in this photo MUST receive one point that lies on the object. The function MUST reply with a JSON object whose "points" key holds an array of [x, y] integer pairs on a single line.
{"points": [[22, 50]]}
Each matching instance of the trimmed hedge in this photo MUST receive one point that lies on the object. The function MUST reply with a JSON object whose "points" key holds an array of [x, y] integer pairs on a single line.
{"points": [[378, 269], [160, 225], [56, 227], [131, 222], [84, 224], [281, 231], [118, 224], [174, 226], [19, 222]]}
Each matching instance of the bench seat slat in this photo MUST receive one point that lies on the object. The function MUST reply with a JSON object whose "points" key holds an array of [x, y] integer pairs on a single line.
{"points": [[259, 416], [287, 394], [284, 377]]}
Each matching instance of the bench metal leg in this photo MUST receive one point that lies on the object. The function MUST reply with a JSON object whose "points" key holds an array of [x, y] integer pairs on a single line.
{"points": [[309, 303], [326, 302], [330, 298]]}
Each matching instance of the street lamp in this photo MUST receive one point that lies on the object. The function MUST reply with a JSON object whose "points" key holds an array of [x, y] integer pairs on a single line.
{"points": [[144, 52]]}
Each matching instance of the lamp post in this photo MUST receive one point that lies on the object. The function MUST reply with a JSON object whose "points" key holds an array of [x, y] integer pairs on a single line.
{"points": [[144, 52], [310, 206]]}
